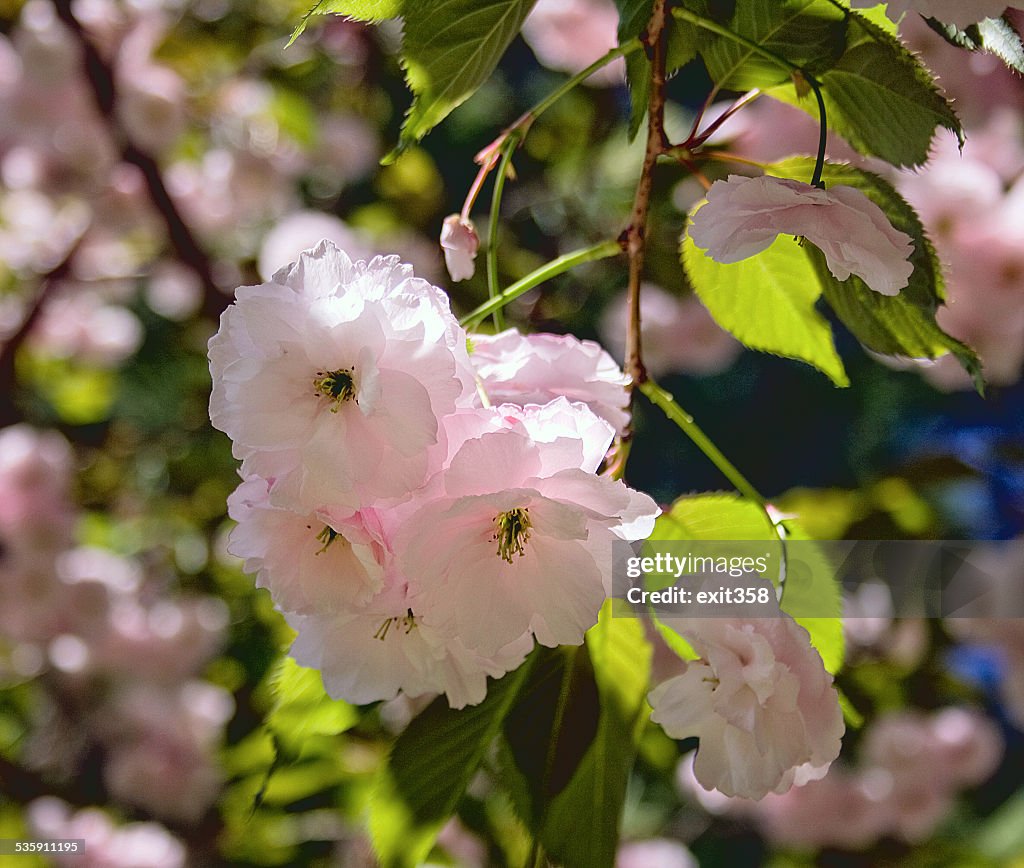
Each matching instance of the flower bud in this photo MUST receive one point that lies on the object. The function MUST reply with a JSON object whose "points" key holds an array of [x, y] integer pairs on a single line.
{"points": [[460, 244]]}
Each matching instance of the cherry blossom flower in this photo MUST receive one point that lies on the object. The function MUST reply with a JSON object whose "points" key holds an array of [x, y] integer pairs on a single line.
{"points": [[518, 538], [385, 647], [760, 701], [534, 369], [745, 215], [310, 563], [303, 230], [460, 243], [958, 12], [663, 852], [570, 35], [134, 845], [351, 363]]}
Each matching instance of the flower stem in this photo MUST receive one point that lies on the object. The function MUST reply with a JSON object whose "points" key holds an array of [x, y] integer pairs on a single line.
{"points": [[716, 28], [623, 50], [793, 69], [542, 274], [493, 287], [667, 404], [819, 163]]}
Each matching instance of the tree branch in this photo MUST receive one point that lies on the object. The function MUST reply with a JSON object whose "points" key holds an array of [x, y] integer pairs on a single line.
{"points": [[635, 235], [104, 89], [9, 414]]}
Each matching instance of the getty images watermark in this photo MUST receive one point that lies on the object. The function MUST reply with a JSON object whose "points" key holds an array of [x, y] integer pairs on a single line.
{"points": [[745, 578]]}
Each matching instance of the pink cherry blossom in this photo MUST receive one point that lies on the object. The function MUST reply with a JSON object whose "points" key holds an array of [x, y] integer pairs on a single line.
{"points": [[303, 230], [842, 809], [134, 845], [745, 215], [351, 363], [518, 539], [536, 368], [161, 743], [958, 12], [571, 34], [660, 852], [384, 647], [460, 243], [758, 699], [310, 563]]}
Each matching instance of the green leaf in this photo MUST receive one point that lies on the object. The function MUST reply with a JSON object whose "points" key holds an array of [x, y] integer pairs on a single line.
{"points": [[812, 595], [810, 34], [767, 302], [360, 10], [550, 728], [621, 657], [706, 517], [429, 768], [879, 97], [716, 516], [302, 708], [580, 823], [901, 325], [992, 35], [450, 49], [681, 48]]}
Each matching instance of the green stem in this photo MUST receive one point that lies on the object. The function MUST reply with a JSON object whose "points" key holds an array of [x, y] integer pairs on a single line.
{"points": [[819, 163], [716, 28], [667, 404], [493, 287], [542, 274], [623, 50]]}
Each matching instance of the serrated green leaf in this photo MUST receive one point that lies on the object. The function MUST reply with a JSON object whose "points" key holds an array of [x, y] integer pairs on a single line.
{"points": [[767, 303], [810, 34], [621, 657], [992, 35], [901, 325], [450, 48], [429, 768], [879, 97], [360, 10]]}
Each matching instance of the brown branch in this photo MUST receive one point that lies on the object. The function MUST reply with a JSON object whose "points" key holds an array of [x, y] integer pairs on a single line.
{"points": [[104, 89], [49, 282], [635, 235]]}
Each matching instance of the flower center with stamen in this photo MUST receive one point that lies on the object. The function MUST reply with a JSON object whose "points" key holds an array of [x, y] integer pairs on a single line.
{"points": [[327, 536], [339, 386], [408, 621], [512, 531]]}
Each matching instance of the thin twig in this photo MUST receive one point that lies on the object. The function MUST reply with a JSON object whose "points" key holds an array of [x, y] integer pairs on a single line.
{"points": [[104, 89]]}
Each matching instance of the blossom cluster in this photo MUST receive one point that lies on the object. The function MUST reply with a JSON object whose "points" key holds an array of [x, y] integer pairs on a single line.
{"points": [[423, 505], [120, 659]]}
